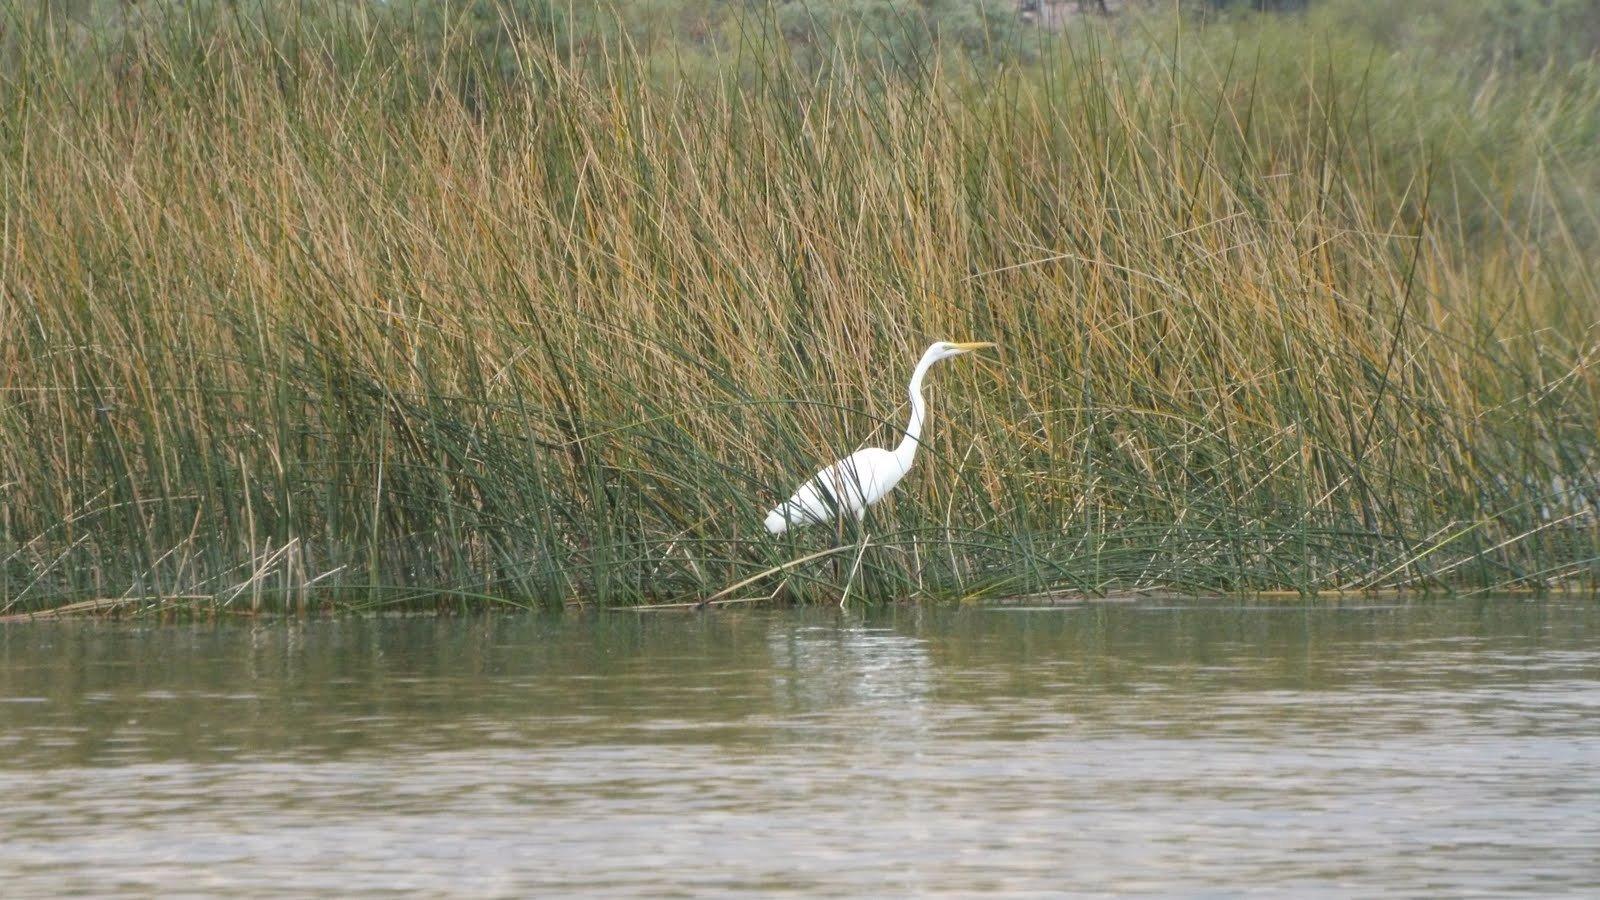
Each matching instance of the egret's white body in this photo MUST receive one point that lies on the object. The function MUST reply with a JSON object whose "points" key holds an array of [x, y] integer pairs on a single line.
{"points": [[861, 479]]}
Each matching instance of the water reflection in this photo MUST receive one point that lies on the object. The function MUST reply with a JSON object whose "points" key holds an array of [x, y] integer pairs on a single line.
{"points": [[850, 680], [1415, 748]]}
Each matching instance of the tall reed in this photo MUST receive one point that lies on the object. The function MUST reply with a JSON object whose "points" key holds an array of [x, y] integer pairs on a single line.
{"points": [[307, 313]]}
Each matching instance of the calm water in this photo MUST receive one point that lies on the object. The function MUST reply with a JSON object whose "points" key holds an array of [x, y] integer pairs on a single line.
{"points": [[1207, 748]]}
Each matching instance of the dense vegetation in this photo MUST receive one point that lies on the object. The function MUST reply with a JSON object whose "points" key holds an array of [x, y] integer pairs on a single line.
{"points": [[332, 303]]}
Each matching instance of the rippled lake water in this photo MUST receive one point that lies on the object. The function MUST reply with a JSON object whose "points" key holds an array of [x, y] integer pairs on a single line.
{"points": [[1220, 748]]}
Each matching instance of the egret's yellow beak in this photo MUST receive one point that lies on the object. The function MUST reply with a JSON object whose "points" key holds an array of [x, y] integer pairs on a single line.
{"points": [[971, 346]]}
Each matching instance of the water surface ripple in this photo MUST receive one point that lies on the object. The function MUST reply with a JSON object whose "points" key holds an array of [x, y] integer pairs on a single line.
{"points": [[1424, 749]]}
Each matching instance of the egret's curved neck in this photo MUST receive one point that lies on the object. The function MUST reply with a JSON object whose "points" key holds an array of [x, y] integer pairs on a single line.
{"points": [[919, 411]]}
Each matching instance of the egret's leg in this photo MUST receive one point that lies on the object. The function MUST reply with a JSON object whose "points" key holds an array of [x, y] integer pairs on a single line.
{"points": [[838, 541], [852, 521], [865, 539]]}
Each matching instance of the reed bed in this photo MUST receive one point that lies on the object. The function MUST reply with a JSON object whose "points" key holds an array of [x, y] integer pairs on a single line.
{"points": [[326, 315]]}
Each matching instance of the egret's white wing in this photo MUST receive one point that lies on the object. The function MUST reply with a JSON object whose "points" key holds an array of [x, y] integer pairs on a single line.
{"points": [[847, 487]]}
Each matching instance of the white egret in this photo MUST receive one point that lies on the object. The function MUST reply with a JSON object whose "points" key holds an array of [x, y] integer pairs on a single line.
{"points": [[861, 479]]}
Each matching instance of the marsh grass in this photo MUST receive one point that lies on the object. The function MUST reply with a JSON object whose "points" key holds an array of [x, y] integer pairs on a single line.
{"points": [[311, 314]]}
